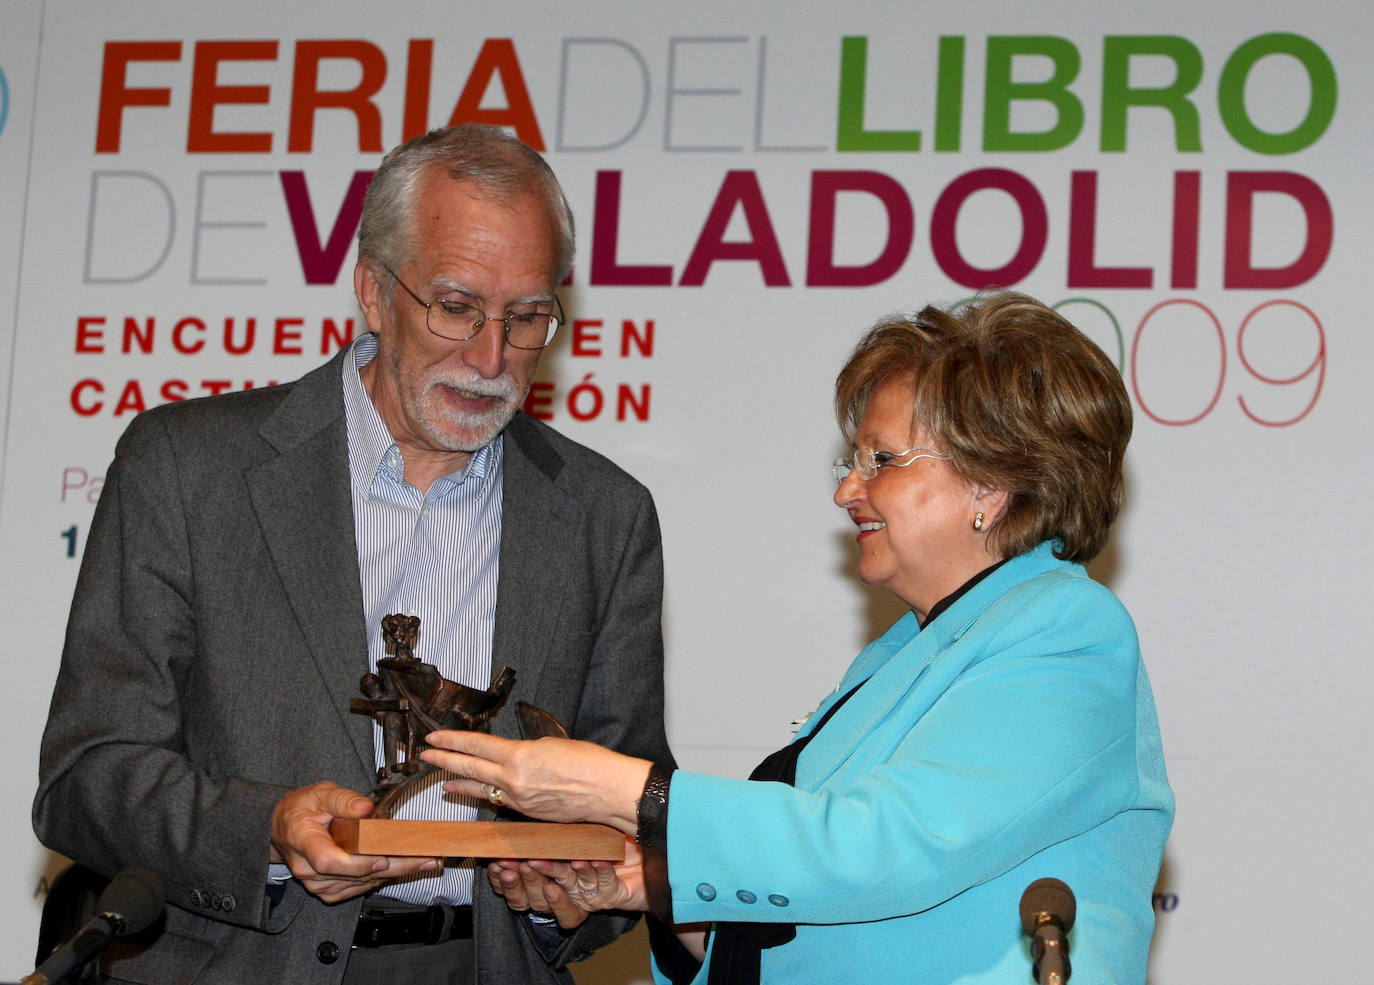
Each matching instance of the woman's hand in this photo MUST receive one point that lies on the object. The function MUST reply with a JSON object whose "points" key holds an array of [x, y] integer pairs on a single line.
{"points": [[550, 779]]}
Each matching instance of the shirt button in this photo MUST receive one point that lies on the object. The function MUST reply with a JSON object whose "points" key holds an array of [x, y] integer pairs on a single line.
{"points": [[706, 891], [744, 896], [327, 952], [778, 899]]}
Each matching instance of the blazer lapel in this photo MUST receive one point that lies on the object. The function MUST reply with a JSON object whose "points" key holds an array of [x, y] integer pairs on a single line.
{"points": [[899, 663], [903, 660], [538, 538], [305, 510]]}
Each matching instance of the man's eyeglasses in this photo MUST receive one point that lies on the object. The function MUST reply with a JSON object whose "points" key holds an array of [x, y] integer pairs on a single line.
{"points": [[526, 325], [866, 462]]}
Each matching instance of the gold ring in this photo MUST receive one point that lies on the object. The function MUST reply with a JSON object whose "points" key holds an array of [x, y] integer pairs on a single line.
{"points": [[495, 796]]}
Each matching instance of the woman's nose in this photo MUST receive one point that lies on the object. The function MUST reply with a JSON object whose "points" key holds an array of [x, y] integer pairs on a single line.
{"points": [[850, 490]]}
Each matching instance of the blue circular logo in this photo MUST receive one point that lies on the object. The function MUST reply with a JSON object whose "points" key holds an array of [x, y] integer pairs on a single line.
{"points": [[4, 100]]}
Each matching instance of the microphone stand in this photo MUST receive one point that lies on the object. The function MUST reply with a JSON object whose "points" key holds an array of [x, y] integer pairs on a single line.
{"points": [[1049, 951], [92, 939], [1048, 910]]}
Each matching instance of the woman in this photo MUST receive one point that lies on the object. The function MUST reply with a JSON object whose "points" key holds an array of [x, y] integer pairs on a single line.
{"points": [[1000, 732]]}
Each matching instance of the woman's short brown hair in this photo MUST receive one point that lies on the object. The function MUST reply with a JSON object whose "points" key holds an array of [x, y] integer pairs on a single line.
{"points": [[1020, 400]]}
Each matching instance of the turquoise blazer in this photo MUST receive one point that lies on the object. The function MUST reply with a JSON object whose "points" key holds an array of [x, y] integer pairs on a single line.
{"points": [[1014, 739]]}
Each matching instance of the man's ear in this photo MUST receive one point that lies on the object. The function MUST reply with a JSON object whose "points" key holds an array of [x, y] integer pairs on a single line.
{"points": [[367, 287]]}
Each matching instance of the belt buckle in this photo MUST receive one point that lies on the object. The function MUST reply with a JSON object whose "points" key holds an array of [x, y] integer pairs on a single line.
{"points": [[440, 920], [433, 924]]}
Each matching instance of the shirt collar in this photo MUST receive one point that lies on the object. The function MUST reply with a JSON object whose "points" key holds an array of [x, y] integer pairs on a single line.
{"points": [[370, 446]]}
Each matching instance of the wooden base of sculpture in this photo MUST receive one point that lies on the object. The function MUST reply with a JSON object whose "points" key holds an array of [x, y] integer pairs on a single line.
{"points": [[478, 839]]}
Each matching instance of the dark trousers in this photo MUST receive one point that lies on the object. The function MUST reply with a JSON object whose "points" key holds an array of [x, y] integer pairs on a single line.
{"points": [[449, 963]]}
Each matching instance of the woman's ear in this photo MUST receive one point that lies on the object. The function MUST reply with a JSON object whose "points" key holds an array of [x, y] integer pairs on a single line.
{"points": [[991, 503]]}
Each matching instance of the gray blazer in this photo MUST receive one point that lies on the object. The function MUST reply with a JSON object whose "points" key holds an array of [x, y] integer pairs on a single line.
{"points": [[216, 637]]}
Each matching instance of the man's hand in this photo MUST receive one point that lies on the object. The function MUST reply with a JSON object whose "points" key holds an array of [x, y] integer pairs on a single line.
{"points": [[301, 839], [571, 890], [525, 889]]}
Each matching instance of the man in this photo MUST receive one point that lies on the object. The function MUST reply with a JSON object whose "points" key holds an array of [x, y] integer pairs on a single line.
{"points": [[241, 558]]}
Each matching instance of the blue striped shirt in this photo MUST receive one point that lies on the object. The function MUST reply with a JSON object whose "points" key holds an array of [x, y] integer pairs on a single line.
{"points": [[434, 555]]}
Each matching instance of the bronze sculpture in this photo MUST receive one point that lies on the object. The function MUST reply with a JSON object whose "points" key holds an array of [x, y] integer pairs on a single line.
{"points": [[409, 698]]}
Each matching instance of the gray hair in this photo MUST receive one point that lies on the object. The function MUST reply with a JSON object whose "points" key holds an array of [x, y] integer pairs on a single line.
{"points": [[484, 155]]}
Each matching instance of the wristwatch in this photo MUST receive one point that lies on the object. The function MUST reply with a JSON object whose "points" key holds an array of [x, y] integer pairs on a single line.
{"points": [[652, 807]]}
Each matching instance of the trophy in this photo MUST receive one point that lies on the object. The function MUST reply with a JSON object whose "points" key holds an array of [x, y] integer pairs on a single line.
{"points": [[408, 699]]}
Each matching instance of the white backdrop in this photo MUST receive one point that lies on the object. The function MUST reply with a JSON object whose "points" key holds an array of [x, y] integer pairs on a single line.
{"points": [[752, 189]]}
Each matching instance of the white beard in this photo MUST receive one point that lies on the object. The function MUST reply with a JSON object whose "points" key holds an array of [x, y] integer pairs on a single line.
{"points": [[460, 430]]}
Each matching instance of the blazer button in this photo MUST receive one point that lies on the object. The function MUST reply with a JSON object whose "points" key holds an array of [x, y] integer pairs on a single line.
{"points": [[195, 897], [216, 901], [744, 896], [706, 891], [327, 952], [228, 901]]}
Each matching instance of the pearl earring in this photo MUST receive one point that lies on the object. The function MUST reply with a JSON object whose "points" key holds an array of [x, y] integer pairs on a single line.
{"points": [[978, 522]]}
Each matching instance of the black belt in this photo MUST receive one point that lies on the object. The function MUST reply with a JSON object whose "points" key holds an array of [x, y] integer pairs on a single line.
{"points": [[421, 925]]}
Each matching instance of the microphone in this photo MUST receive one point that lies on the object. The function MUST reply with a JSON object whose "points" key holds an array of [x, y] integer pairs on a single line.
{"points": [[1047, 912], [129, 904]]}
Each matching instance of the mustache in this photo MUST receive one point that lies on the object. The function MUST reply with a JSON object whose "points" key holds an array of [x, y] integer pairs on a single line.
{"points": [[502, 386]]}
